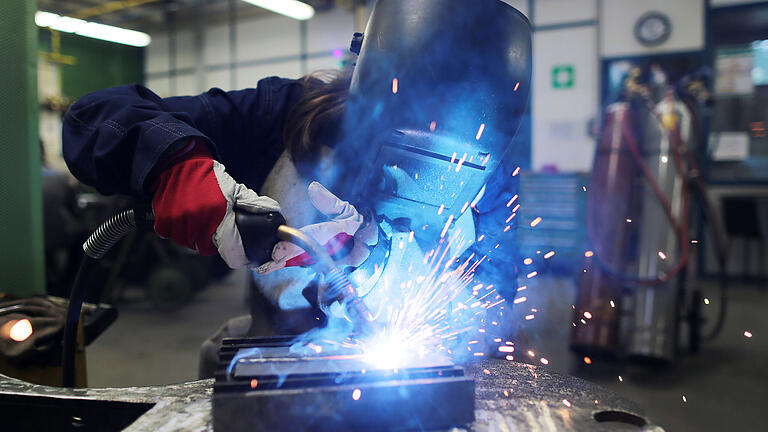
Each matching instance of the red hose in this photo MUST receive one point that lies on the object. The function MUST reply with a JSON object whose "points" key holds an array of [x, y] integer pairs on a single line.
{"points": [[681, 229]]}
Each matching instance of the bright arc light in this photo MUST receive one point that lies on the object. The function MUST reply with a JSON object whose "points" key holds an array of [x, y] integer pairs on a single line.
{"points": [[290, 8], [387, 354], [91, 29]]}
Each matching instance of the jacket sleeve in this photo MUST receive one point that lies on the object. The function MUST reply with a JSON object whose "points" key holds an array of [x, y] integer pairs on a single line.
{"points": [[113, 138]]}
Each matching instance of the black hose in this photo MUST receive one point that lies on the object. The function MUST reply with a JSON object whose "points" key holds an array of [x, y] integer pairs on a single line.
{"points": [[109, 233], [97, 245], [73, 318]]}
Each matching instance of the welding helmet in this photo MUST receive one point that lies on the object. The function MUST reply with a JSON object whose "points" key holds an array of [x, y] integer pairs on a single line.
{"points": [[437, 94]]}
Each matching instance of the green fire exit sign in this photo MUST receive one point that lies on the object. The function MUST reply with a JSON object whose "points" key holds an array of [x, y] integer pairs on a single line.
{"points": [[563, 76]]}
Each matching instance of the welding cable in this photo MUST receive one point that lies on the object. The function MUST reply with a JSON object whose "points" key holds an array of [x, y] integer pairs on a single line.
{"points": [[95, 247], [714, 223]]}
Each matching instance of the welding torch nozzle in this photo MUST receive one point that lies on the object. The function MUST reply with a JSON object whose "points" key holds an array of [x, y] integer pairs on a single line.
{"points": [[339, 287]]}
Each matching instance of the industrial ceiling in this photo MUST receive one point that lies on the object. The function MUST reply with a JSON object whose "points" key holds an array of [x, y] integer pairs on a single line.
{"points": [[147, 15]]}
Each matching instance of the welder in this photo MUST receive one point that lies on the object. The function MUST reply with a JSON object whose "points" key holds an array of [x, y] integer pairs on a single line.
{"points": [[198, 158]]}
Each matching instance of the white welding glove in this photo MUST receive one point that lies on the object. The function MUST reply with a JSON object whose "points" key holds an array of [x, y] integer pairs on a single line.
{"points": [[342, 236], [194, 205]]}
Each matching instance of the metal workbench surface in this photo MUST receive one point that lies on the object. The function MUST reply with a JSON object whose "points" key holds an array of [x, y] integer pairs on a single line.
{"points": [[510, 396]]}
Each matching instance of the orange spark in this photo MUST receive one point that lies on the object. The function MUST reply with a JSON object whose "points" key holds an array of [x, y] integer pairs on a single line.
{"points": [[394, 85], [549, 254], [662, 255], [531, 274], [254, 383], [356, 393], [21, 331], [589, 254], [432, 126], [747, 334], [535, 221], [566, 403], [587, 315], [587, 360]]}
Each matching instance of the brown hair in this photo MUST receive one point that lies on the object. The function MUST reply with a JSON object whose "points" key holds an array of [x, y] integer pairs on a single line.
{"points": [[314, 120]]}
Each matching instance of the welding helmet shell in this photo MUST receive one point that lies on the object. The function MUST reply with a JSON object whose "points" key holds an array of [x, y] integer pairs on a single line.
{"points": [[438, 85]]}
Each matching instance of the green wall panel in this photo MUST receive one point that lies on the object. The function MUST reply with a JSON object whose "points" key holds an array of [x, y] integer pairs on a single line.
{"points": [[22, 268], [98, 64]]}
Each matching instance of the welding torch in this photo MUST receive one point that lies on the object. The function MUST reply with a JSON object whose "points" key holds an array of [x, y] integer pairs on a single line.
{"points": [[259, 232]]}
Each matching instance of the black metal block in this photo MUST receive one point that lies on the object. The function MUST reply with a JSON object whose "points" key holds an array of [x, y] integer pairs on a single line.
{"points": [[274, 390]]}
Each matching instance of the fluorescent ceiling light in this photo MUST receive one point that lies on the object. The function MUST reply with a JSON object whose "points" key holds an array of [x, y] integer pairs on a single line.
{"points": [[290, 8], [91, 29]]}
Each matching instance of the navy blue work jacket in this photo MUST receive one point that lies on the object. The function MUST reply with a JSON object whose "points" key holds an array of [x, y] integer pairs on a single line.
{"points": [[114, 137]]}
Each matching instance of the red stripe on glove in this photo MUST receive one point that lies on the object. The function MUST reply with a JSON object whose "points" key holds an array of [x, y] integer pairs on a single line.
{"points": [[335, 245], [188, 202]]}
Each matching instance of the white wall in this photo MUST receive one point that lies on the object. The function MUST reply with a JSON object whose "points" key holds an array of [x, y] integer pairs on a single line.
{"points": [[547, 12], [265, 46], [560, 115]]}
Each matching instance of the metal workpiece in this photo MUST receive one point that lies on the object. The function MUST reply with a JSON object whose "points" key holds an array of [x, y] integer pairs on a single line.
{"points": [[514, 396], [534, 404], [297, 390], [294, 389]]}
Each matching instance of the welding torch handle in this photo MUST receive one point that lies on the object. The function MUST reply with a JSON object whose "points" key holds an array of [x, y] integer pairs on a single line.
{"points": [[258, 232]]}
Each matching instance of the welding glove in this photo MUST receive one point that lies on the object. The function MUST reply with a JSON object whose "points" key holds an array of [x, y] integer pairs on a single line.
{"points": [[194, 203], [345, 236]]}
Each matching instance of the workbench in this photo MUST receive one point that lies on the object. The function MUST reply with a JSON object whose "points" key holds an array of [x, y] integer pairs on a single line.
{"points": [[510, 396]]}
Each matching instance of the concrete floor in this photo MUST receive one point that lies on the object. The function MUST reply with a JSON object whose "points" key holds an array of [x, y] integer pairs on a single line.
{"points": [[725, 384]]}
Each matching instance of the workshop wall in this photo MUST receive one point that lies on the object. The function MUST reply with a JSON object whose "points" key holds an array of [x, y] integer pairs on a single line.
{"points": [[237, 57], [98, 64], [85, 65], [571, 38]]}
